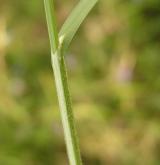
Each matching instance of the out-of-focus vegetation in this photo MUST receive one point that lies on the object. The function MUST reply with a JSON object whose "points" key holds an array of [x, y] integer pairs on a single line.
{"points": [[114, 67]]}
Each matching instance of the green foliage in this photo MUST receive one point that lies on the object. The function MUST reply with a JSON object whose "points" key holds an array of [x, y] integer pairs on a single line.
{"points": [[57, 53], [74, 21]]}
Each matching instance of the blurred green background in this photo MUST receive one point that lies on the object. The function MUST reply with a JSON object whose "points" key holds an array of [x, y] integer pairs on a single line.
{"points": [[114, 76]]}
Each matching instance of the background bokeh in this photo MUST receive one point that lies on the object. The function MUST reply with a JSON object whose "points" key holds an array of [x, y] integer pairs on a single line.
{"points": [[114, 76]]}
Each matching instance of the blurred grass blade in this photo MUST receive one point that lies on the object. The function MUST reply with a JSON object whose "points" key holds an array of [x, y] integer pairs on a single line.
{"points": [[75, 19]]}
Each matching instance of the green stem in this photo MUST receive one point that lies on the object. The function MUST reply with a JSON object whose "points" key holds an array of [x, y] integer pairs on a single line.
{"points": [[66, 109], [61, 81], [52, 25]]}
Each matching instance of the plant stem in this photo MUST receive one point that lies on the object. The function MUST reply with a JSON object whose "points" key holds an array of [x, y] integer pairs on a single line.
{"points": [[66, 109], [61, 81], [52, 25]]}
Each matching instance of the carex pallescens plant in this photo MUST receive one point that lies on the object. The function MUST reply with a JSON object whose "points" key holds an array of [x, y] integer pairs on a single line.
{"points": [[59, 43]]}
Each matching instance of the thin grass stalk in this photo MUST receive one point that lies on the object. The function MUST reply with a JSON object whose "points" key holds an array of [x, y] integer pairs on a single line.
{"points": [[60, 74]]}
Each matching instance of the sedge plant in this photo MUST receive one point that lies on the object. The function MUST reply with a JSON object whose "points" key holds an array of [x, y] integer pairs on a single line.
{"points": [[59, 43]]}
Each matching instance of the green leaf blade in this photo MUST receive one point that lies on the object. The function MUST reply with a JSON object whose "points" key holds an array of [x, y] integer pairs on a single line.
{"points": [[51, 24], [73, 22]]}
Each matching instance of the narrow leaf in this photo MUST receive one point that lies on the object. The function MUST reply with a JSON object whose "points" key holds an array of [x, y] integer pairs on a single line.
{"points": [[51, 22], [73, 22]]}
